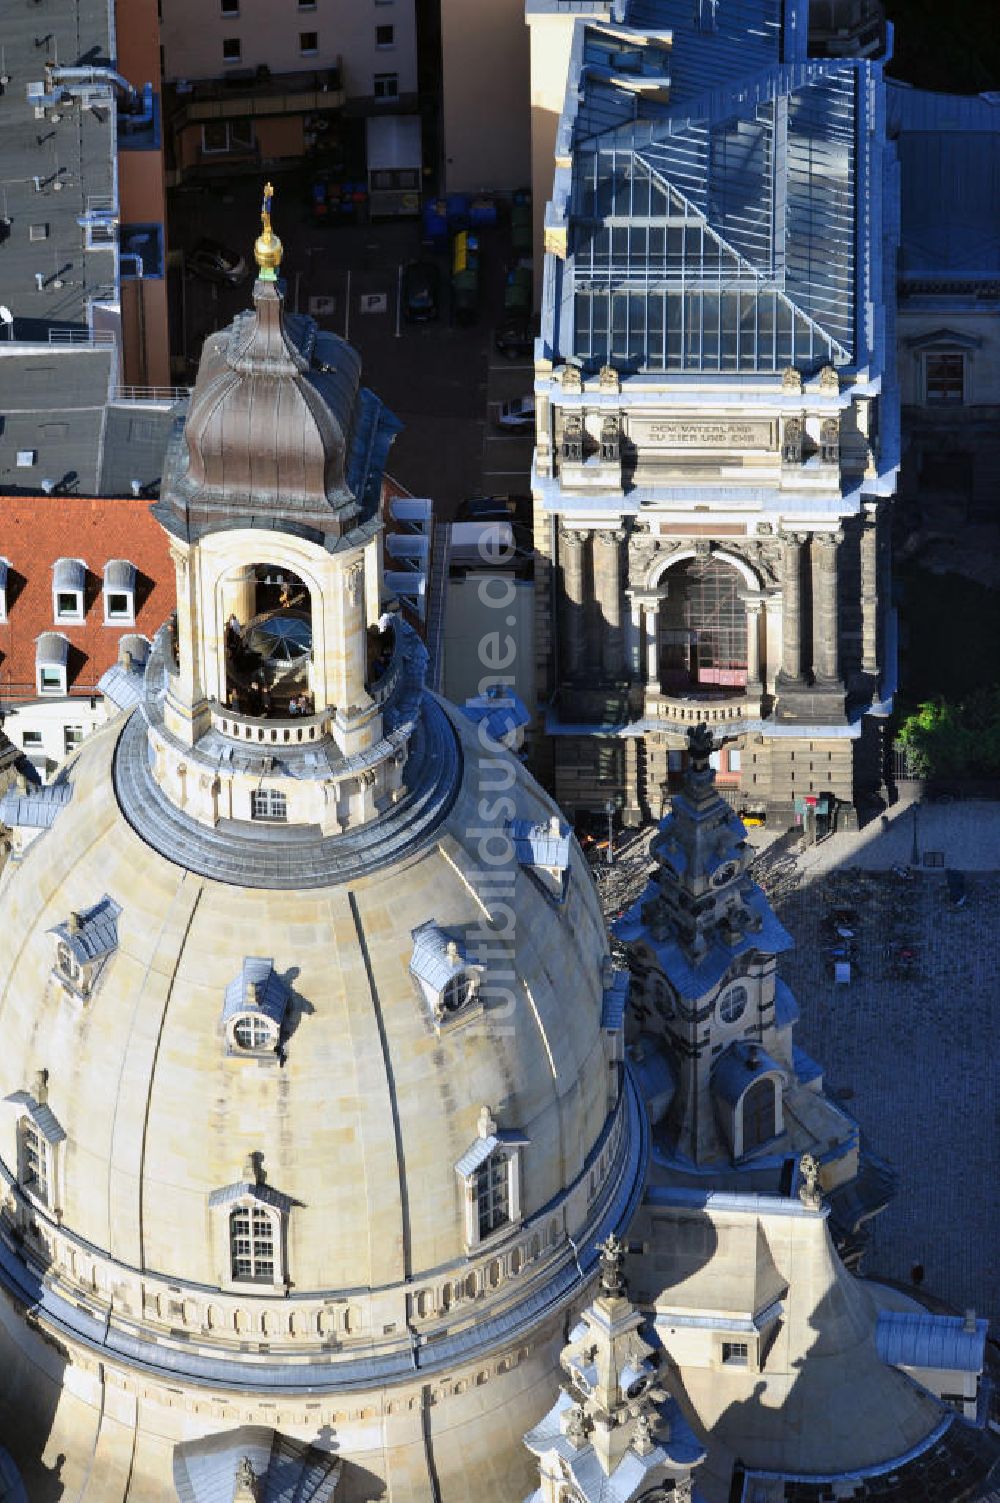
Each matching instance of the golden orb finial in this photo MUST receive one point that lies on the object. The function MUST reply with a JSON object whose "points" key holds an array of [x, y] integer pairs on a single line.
{"points": [[267, 247]]}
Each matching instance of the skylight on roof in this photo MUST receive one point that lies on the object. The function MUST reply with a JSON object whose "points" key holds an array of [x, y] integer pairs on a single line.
{"points": [[26, 458]]}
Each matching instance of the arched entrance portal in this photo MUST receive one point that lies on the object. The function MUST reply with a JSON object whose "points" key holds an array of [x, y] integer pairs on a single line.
{"points": [[268, 636], [702, 627]]}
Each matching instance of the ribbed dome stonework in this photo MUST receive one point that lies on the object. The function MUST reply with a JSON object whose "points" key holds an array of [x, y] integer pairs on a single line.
{"points": [[363, 1116], [279, 431]]}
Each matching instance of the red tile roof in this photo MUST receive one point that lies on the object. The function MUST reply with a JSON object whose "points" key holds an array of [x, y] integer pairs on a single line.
{"points": [[35, 531]]}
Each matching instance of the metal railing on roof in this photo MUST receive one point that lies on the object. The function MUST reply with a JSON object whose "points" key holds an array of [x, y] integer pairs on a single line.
{"points": [[97, 337], [151, 393]]}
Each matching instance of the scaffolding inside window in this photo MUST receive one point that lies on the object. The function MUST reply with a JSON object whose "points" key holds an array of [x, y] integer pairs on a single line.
{"points": [[702, 628]]}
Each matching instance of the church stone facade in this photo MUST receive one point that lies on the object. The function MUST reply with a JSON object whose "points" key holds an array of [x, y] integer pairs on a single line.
{"points": [[717, 414]]}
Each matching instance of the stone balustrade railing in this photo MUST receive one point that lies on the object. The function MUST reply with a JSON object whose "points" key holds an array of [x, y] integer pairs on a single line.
{"points": [[686, 710]]}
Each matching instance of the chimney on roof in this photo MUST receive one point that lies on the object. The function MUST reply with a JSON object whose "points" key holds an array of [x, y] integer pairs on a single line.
{"points": [[126, 660], [136, 487], [969, 1323], [73, 923], [253, 994], [39, 281], [48, 486]]}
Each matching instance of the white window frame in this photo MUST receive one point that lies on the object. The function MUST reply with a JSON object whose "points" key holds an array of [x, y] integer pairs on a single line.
{"points": [[268, 797], [253, 1200], [257, 1021], [127, 618], [77, 614], [308, 51], [27, 1128], [55, 673], [256, 1214], [228, 61], [72, 744], [510, 1144], [388, 46], [381, 79]]}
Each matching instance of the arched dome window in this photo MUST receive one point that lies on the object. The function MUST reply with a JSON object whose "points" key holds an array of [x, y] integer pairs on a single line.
{"points": [[445, 976], [252, 1244], [33, 1160], [39, 1141], [254, 1009], [491, 1172], [252, 1222]]}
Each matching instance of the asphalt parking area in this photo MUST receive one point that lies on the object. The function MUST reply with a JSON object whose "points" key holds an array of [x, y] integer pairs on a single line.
{"points": [[437, 377]]}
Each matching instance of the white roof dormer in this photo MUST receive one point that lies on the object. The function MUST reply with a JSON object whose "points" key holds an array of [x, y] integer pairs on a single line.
{"points": [[448, 980], [69, 590], [254, 1010], [119, 592]]}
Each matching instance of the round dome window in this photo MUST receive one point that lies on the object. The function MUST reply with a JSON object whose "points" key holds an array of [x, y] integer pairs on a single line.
{"points": [[732, 1004], [252, 1033], [457, 992]]}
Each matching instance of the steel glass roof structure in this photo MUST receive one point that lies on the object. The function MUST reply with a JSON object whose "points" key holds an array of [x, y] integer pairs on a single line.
{"points": [[732, 229]]}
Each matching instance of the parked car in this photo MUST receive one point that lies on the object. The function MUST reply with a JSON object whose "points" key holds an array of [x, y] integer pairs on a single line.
{"points": [[217, 263], [517, 416], [516, 339], [486, 509], [421, 292]]}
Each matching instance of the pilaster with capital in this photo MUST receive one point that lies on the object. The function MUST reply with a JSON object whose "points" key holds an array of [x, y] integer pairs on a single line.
{"points": [[826, 613], [791, 608], [572, 558], [608, 589], [869, 595], [754, 610]]}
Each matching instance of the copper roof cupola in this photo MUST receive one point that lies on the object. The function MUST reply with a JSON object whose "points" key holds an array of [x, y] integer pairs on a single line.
{"points": [[279, 432]]}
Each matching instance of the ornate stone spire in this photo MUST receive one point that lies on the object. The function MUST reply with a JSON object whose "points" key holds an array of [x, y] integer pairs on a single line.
{"points": [[613, 1431]]}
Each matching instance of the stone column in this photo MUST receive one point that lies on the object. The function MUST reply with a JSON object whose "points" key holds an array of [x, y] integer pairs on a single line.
{"points": [[826, 614], [572, 557], [753, 609], [607, 587], [791, 608], [869, 595], [652, 611]]}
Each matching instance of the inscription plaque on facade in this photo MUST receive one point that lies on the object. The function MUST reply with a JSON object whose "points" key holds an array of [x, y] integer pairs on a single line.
{"points": [[702, 433]]}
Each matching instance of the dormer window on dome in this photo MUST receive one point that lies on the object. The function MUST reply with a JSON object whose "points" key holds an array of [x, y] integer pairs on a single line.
{"points": [[542, 849], [445, 976], [251, 1223], [254, 1010], [69, 584], [39, 1140], [84, 943], [491, 1172], [119, 592]]}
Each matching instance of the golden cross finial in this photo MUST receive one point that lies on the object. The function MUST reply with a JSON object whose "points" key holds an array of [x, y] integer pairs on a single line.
{"points": [[267, 249]]}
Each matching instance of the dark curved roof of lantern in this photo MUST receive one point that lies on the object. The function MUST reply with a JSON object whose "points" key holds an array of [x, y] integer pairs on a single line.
{"points": [[279, 433]]}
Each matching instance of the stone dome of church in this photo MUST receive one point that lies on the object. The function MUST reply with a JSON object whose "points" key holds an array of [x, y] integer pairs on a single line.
{"points": [[364, 1094]]}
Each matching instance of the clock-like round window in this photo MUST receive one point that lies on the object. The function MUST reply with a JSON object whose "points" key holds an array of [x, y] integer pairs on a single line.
{"points": [[253, 1033], [457, 992], [732, 1004]]}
